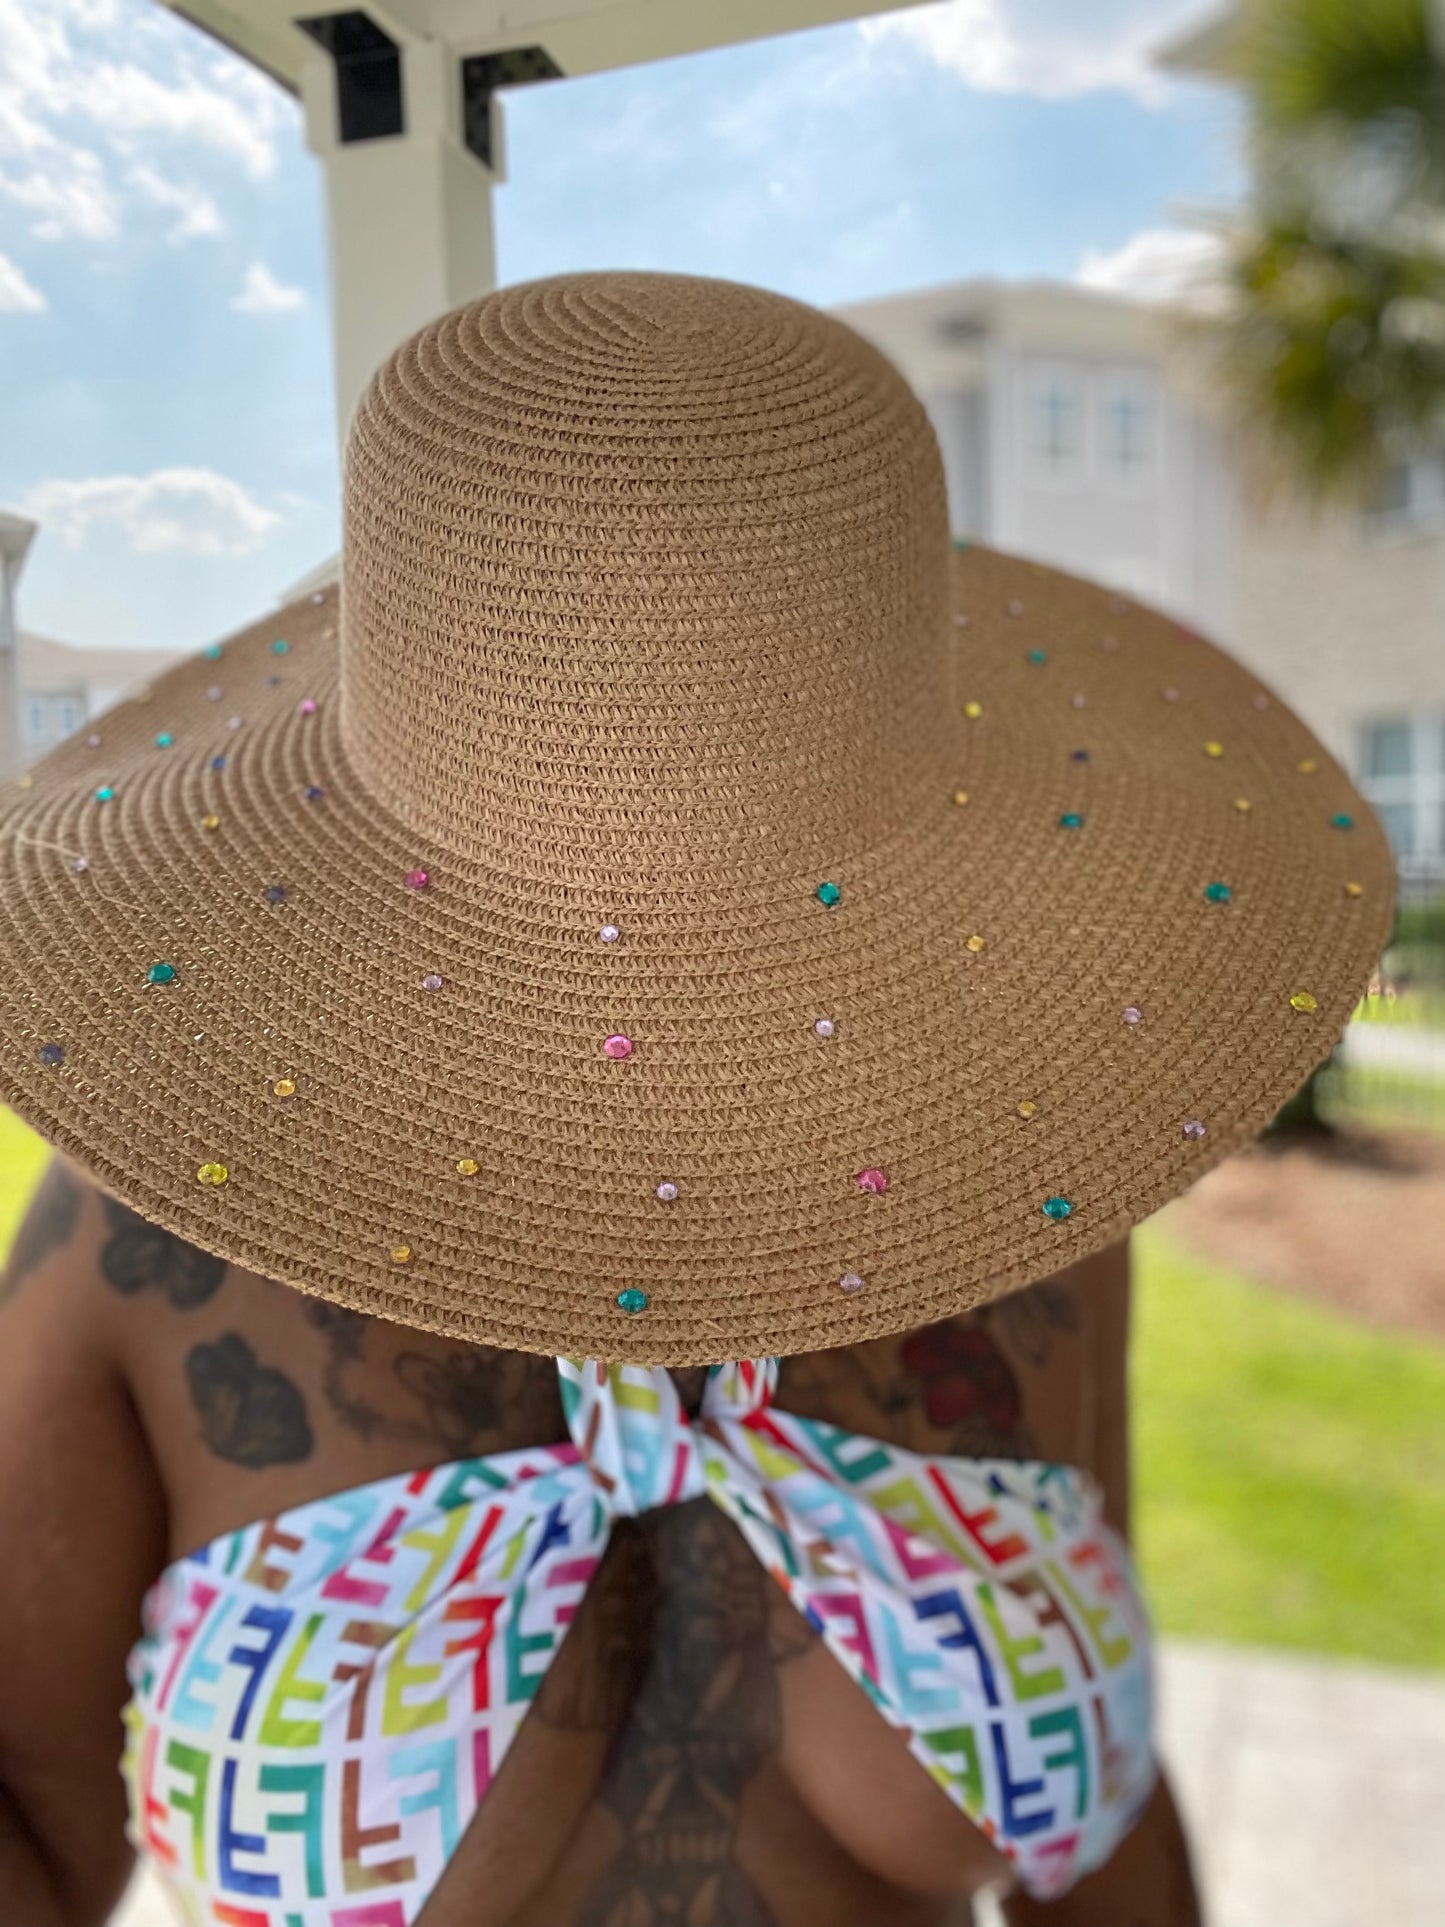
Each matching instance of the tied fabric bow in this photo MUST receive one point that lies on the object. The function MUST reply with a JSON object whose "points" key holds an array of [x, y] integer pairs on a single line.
{"points": [[376, 1650]]}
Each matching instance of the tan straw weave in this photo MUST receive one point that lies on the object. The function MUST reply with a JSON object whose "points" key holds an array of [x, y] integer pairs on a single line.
{"points": [[651, 625]]}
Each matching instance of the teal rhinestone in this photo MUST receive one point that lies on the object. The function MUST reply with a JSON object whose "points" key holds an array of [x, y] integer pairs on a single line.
{"points": [[105, 793], [161, 973], [164, 740], [632, 1300], [1038, 656], [1057, 1208], [962, 544], [1217, 892], [829, 894], [1071, 820], [1343, 822], [213, 652], [279, 647]]}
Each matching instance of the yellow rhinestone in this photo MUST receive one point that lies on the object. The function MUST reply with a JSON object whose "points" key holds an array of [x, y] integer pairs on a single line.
{"points": [[1304, 1000], [1214, 749], [1028, 1108], [401, 1254], [285, 1087], [212, 1174], [1354, 889], [210, 822], [26, 780], [1243, 805], [974, 944], [1308, 766], [467, 1167], [960, 796], [973, 711]]}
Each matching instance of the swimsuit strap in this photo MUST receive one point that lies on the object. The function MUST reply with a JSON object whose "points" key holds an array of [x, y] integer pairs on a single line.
{"points": [[628, 1423]]}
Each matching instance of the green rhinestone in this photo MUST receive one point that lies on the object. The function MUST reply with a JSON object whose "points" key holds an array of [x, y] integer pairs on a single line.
{"points": [[1038, 656], [1217, 892], [161, 973], [1343, 822], [1057, 1208], [632, 1300], [1071, 820], [829, 894]]}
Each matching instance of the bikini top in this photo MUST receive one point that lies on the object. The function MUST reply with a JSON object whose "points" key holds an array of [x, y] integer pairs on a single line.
{"points": [[322, 1699]]}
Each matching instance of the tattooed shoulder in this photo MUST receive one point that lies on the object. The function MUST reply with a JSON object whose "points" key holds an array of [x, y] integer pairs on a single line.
{"points": [[48, 1225], [139, 1256], [250, 1413]]}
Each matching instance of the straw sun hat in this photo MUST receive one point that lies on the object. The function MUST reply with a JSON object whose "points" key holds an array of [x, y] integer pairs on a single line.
{"points": [[674, 907]]}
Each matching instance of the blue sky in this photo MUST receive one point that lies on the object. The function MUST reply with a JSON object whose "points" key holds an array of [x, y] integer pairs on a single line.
{"points": [[165, 393]]}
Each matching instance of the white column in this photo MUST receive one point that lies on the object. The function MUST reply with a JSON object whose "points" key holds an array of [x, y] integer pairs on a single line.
{"points": [[410, 216], [15, 537]]}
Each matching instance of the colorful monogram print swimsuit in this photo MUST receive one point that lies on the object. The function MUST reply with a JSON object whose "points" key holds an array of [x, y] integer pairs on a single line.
{"points": [[321, 1700]]}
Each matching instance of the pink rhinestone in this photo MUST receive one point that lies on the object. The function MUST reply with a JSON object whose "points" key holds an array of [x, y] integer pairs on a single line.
{"points": [[81, 865], [1132, 1014], [1261, 702], [850, 1282], [873, 1180], [319, 595], [417, 879], [618, 1047], [92, 741], [1110, 643], [1016, 608], [1171, 695], [1195, 1128], [234, 722], [431, 981], [307, 705], [214, 693], [1078, 702], [960, 622]]}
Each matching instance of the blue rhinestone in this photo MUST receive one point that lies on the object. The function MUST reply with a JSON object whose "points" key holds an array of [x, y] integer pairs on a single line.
{"points": [[105, 793], [632, 1300], [164, 740], [1071, 820], [1057, 1208], [51, 1055], [1217, 892], [829, 894], [1037, 656], [1080, 755], [279, 647], [218, 762], [313, 792], [213, 652], [1343, 822]]}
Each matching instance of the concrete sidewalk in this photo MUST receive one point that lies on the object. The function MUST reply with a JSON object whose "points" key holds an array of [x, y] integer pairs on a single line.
{"points": [[1311, 1789]]}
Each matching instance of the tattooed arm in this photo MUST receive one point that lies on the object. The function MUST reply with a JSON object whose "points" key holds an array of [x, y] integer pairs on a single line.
{"points": [[81, 1524], [1149, 1881]]}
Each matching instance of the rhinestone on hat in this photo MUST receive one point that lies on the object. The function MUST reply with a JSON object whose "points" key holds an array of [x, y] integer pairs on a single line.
{"points": [[618, 1047], [212, 1173], [1057, 1208], [824, 1027], [631, 1300], [872, 1180], [850, 1282], [667, 1192], [609, 933]]}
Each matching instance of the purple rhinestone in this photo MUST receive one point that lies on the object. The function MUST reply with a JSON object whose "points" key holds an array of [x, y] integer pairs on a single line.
{"points": [[51, 1054], [275, 893], [218, 762], [1132, 1014], [214, 693], [431, 981], [1195, 1128], [313, 792]]}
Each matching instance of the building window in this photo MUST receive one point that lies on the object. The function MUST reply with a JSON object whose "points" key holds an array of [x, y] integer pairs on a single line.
{"points": [[1402, 764], [1056, 425], [1128, 425], [48, 716], [1409, 498]]}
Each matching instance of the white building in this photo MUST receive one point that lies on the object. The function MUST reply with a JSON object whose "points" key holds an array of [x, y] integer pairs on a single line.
{"points": [[1076, 429], [61, 687]]}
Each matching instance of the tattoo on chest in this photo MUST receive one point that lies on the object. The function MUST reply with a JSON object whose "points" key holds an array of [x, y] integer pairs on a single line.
{"points": [[139, 1256], [250, 1413], [48, 1224], [466, 1398], [705, 1717]]}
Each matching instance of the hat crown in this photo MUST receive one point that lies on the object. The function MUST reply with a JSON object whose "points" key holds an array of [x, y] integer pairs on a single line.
{"points": [[644, 573]]}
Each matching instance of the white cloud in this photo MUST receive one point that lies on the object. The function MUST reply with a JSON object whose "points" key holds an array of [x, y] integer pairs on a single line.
{"points": [[17, 294], [1055, 49], [193, 511], [104, 102], [262, 293], [1157, 264]]}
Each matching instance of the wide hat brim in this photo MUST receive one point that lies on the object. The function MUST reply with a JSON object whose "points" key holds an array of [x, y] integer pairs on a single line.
{"points": [[1087, 973]]}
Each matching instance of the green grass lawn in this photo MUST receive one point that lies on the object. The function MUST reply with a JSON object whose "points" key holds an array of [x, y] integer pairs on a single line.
{"points": [[1289, 1465], [1290, 1468]]}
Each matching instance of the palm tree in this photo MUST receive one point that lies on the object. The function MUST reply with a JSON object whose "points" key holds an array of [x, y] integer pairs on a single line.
{"points": [[1331, 335]]}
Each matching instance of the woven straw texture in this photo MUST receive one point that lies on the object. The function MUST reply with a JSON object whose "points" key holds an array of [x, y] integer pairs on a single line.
{"points": [[651, 620]]}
